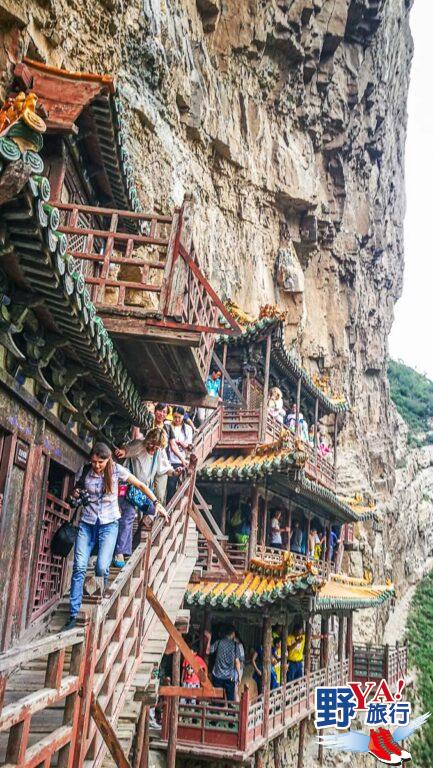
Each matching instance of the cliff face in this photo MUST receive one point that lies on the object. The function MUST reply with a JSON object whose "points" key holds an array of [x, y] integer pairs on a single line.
{"points": [[286, 119]]}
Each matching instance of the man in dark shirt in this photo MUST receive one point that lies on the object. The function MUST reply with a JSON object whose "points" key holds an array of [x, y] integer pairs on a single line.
{"points": [[227, 663]]}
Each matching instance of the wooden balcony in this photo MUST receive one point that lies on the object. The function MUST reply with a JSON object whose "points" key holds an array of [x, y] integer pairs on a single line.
{"points": [[145, 280], [243, 429], [210, 566], [236, 731]]}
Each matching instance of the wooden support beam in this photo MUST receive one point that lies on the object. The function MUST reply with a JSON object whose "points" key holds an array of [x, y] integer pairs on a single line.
{"points": [[174, 713], [252, 543], [316, 436], [266, 387], [171, 691], [335, 444], [302, 729], [341, 637], [266, 672], [142, 740], [107, 732], [349, 643], [213, 693], [324, 657], [212, 541], [284, 659], [180, 397]]}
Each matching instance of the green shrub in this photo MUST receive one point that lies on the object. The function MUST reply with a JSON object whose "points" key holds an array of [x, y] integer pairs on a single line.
{"points": [[420, 636], [412, 393]]}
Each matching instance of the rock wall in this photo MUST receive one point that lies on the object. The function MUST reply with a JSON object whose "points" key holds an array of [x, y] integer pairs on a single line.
{"points": [[286, 119]]}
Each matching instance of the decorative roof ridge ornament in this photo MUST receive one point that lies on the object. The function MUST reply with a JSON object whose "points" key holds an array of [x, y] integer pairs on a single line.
{"points": [[280, 569], [21, 107], [358, 502], [284, 443]]}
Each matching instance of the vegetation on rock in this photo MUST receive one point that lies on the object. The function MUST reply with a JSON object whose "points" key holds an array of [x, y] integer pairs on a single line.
{"points": [[420, 637], [412, 393]]}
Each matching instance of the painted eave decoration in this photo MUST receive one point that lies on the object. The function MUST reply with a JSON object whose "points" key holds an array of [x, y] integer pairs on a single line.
{"points": [[271, 320], [64, 95], [342, 591], [42, 252]]}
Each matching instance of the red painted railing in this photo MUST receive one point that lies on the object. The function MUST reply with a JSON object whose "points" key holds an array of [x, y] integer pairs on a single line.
{"points": [[240, 726], [207, 437], [238, 556], [46, 686]]}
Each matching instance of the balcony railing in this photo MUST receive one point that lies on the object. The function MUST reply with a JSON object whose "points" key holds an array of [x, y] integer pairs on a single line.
{"points": [[144, 268], [375, 662], [240, 727], [242, 428], [238, 556]]}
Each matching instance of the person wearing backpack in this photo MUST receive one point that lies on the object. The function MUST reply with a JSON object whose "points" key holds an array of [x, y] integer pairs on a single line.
{"points": [[180, 442], [149, 462], [99, 522], [227, 666]]}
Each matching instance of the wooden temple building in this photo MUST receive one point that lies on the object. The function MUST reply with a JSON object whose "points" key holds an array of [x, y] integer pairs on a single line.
{"points": [[105, 306]]}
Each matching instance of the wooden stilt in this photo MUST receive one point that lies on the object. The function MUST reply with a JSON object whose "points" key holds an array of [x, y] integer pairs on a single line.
{"points": [[141, 751], [252, 544], [316, 436], [341, 637], [335, 444], [174, 713], [324, 655], [349, 643], [277, 752], [302, 728], [107, 732], [265, 517], [266, 672]]}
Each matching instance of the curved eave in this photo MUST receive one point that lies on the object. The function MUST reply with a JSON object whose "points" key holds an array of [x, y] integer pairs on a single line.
{"points": [[41, 252], [340, 603], [226, 598], [283, 359], [289, 476]]}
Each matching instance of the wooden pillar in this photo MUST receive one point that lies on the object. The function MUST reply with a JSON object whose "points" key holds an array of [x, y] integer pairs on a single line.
{"points": [[349, 643], [174, 713], [224, 507], [325, 542], [289, 526], [206, 627], [266, 388], [284, 661], [141, 756], [259, 760], [307, 669], [224, 368], [298, 405], [316, 436], [254, 522], [302, 729], [308, 532], [277, 753], [335, 443], [324, 654], [340, 637], [266, 673], [265, 517]]}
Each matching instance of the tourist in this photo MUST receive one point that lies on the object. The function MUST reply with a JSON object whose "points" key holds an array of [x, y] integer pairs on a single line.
{"points": [[311, 436], [322, 446], [295, 651], [333, 543], [315, 544], [149, 461], [98, 485], [257, 662], [227, 663], [179, 443], [213, 388], [190, 678], [276, 406], [276, 539], [296, 539], [290, 423]]}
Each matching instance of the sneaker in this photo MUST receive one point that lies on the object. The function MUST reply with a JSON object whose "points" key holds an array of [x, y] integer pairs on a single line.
{"points": [[70, 624], [378, 749], [154, 724], [392, 745]]}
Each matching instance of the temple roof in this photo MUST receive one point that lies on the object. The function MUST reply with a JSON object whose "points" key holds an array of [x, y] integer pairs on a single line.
{"points": [[31, 224], [255, 591], [285, 361], [94, 101], [345, 592], [258, 589], [283, 470]]}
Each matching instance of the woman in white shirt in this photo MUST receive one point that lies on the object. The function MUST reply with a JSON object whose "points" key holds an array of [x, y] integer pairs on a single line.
{"points": [[149, 461], [276, 539], [276, 405]]}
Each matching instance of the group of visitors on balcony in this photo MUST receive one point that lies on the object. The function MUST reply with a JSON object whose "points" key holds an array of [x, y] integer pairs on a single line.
{"points": [[300, 543], [277, 410]]}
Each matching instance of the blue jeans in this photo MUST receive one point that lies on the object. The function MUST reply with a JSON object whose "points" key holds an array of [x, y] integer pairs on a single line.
{"points": [[294, 671], [227, 685], [105, 537]]}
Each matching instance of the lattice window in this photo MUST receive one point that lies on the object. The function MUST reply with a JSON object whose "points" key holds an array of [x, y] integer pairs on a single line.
{"points": [[50, 569]]}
